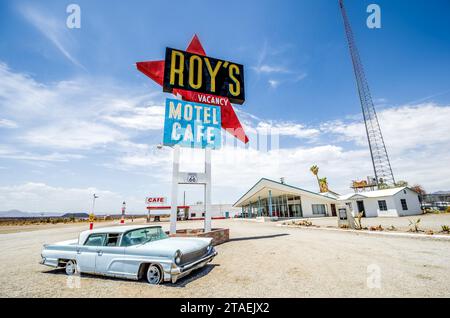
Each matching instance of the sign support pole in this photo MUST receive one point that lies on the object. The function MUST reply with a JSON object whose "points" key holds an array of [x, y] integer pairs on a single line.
{"points": [[208, 190], [174, 203]]}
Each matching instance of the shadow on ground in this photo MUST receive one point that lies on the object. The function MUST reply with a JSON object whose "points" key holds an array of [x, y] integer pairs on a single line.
{"points": [[182, 282], [261, 237], [199, 273]]}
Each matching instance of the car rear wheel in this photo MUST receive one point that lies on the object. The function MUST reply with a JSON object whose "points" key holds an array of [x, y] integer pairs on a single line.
{"points": [[71, 268], [154, 274]]}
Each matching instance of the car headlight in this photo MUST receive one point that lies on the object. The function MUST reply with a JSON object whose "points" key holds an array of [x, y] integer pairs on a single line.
{"points": [[177, 257], [210, 247]]}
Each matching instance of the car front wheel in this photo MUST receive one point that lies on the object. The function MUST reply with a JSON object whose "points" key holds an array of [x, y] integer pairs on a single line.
{"points": [[154, 274], [71, 268]]}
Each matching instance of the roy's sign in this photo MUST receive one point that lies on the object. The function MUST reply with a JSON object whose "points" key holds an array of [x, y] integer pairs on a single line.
{"points": [[190, 124], [203, 74]]}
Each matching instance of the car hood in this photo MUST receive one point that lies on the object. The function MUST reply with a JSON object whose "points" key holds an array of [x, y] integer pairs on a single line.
{"points": [[168, 247]]}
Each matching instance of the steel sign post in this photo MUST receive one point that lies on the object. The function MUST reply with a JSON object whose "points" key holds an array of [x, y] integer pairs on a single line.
{"points": [[208, 190], [174, 197]]}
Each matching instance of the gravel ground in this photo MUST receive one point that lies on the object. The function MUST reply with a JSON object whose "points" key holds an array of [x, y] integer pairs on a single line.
{"points": [[261, 260], [427, 222]]}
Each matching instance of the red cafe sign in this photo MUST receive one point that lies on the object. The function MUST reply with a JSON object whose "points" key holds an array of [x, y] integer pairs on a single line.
{"points": [[154, 201]]}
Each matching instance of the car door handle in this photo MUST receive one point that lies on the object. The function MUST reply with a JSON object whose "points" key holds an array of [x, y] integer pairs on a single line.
{"points": [[99, 253]]}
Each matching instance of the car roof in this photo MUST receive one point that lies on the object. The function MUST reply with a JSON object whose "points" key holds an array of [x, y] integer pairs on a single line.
{"points": [[111, 229]]}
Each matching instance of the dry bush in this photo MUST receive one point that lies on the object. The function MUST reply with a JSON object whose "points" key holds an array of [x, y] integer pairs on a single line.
{"points": [[303, 223], [414, 226], [358, 223], [376, 228]]}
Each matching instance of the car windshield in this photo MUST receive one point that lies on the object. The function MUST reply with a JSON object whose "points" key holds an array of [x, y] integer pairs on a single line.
{"points": [[144, 235]]}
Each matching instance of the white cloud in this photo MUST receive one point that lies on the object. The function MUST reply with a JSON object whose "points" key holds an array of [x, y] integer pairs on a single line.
{"points": [[53, 29], [291, 129], [82, 115], [404, 128], [140, 118], [269, 69], [72, 114], [75, 135], [11, 153], [40, 197], [6, 123], [273, 83]]}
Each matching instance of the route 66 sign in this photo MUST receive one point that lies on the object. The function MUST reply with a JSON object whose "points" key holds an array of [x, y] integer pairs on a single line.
{"points": [[192, 178]]}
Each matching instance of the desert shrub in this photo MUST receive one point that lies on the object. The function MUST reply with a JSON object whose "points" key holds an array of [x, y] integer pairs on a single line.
{"points": [[358, 223], [376, 228], [392, 228], [303, 223], [343, 226], [445, 229], [429, 232], [447, 210], [414, 225]]}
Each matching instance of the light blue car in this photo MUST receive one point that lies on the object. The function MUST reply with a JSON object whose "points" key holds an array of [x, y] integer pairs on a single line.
{"points": [[131, 252]]}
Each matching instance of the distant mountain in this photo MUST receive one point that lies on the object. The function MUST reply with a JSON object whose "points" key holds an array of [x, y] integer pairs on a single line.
{"points": [[21, 214], [441, 192], [76, 215]]}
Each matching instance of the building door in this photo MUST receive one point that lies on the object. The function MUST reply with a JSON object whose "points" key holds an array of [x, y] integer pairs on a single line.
{"points": [[333, 210], [360, 205]]}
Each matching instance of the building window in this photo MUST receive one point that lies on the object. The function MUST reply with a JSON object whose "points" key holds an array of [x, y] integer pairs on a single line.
{"points": [[404, 205], [318, 208], [382, 205], [203, 214], [192, 215]]}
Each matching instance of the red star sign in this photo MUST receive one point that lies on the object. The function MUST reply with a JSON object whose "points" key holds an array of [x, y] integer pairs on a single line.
{"points": [[230, 121]]}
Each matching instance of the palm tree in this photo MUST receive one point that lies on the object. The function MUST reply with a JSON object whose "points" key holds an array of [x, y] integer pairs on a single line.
{"points": [[315, 171], [323, 184]]}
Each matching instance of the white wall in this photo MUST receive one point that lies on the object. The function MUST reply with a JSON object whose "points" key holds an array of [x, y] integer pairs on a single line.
{"points": [[307, 203], [217, 210], [412, 201]]}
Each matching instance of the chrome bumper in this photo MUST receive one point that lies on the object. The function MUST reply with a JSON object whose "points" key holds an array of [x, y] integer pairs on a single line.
{"points": [[180, 271]]}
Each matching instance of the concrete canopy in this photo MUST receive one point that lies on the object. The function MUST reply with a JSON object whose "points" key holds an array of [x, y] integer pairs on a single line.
{"points": [[262, 187]]}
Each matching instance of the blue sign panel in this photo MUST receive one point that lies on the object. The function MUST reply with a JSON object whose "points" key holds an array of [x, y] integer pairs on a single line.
{"points": [[193, 125]]}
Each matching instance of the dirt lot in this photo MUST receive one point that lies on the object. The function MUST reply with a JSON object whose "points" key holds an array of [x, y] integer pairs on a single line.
{"points": [[261, 260], [432, 222]]}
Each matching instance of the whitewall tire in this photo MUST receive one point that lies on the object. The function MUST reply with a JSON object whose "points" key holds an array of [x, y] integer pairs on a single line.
{"points": [[154, 274]]}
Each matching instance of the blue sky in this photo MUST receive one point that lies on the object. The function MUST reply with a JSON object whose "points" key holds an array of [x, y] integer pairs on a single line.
{"points": [[77, 117]]}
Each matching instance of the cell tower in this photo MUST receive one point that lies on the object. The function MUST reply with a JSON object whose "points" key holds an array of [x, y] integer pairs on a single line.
{"points": [[378, 153]]}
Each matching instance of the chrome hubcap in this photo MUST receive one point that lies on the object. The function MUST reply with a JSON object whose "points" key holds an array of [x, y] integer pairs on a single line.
{"points": [[70, 268], [153, 275]]}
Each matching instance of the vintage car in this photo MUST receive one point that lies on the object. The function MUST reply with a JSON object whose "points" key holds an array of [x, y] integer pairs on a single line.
{"points": [[130, 252]]}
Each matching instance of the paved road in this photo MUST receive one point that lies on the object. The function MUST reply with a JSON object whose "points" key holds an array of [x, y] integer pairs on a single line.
{"points": [[261, 260]]}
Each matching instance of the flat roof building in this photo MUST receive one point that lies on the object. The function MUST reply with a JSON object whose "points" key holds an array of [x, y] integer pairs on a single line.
{"points": [[269, 198]]}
